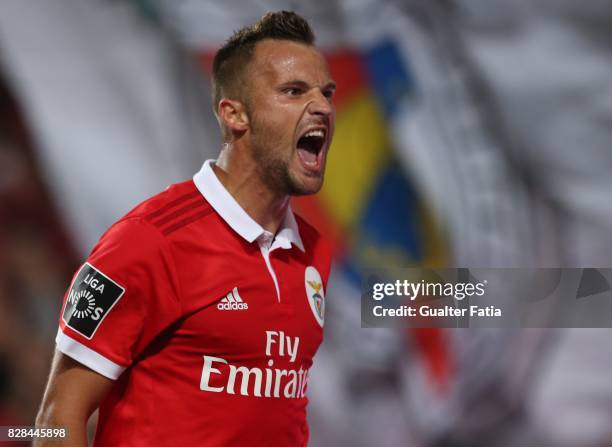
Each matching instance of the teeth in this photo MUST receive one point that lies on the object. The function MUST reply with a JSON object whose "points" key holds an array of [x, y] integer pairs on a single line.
{"points": [[315, 133]]}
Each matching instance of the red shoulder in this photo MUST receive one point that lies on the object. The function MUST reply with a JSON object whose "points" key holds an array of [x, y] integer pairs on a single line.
{"points": [[173, 196]]}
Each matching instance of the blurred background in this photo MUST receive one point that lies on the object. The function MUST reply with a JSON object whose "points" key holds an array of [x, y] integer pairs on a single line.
{"points": [[471, 133]]}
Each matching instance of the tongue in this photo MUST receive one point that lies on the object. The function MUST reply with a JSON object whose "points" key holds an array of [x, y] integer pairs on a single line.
{"points": [[307, 156]]}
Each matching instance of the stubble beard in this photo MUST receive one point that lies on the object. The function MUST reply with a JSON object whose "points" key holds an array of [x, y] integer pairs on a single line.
{"points": [[272, 169]]}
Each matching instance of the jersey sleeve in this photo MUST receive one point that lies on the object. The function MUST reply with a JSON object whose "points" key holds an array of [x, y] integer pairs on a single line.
{"points": [[120, 299]]}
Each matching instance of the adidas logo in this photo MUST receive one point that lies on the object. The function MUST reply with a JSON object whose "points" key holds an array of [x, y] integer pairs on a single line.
{"points": [[232, 301]]}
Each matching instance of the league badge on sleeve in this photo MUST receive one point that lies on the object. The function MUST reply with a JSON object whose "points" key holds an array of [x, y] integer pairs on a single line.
{"points": [[91, 296], [315, 293]]}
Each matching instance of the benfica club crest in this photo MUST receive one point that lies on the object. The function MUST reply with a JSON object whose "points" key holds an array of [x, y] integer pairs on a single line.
{"points": [[315, 293]]}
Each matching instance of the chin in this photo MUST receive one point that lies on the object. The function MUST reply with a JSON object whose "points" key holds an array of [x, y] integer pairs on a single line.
{"points": [[301, 182], [306, 188]]}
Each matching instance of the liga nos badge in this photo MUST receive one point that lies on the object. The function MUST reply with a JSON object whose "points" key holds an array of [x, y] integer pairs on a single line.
{"points": [[91, 296], [315, 293]]}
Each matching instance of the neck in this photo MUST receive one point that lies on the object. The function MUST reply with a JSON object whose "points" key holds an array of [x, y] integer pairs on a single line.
{"points": [[238, 174]]}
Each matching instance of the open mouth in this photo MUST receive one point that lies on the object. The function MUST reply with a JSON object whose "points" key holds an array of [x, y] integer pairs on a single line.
{"points": [[310, 148]]}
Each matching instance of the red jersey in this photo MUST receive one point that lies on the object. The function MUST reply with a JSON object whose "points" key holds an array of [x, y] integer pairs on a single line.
{"points": [[207, 322]]}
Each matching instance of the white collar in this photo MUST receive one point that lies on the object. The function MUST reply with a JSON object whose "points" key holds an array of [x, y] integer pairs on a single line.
{"points": [[231, 212]]}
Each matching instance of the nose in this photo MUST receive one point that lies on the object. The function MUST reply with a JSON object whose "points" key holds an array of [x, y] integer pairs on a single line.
{"points": [[320, 104]]}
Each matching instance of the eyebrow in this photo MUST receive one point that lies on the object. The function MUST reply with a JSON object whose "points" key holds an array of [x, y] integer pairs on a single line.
{"points": [[300, 83]]}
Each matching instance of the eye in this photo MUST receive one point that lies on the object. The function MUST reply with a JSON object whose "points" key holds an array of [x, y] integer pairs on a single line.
{"points": [[293, 91], [329, 94]]}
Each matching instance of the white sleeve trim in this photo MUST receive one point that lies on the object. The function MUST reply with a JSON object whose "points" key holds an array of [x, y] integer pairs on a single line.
{"points": [[87, 356]]}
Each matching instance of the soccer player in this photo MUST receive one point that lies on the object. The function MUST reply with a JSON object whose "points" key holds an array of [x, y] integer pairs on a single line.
{"points": [[196, 317]]}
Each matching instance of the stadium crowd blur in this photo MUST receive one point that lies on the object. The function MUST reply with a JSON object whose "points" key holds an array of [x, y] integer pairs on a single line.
{"points": [[469, 133], [36, 260]]}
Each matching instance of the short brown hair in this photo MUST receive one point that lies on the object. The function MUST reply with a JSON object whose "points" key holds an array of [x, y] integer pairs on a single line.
{"points": [[230, 60]]}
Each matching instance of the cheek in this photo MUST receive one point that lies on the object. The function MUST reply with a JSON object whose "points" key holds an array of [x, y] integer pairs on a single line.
{"points": [[269, 134], [278, 122]]}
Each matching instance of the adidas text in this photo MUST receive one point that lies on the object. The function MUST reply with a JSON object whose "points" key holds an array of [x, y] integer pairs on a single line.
{"points": [[232, 301]]}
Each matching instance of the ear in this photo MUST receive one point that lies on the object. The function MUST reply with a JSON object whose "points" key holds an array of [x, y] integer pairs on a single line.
{"points": [[233, 115]]}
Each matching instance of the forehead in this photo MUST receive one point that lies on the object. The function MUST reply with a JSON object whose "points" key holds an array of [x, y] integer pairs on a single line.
{"points": [[283, 60]]}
